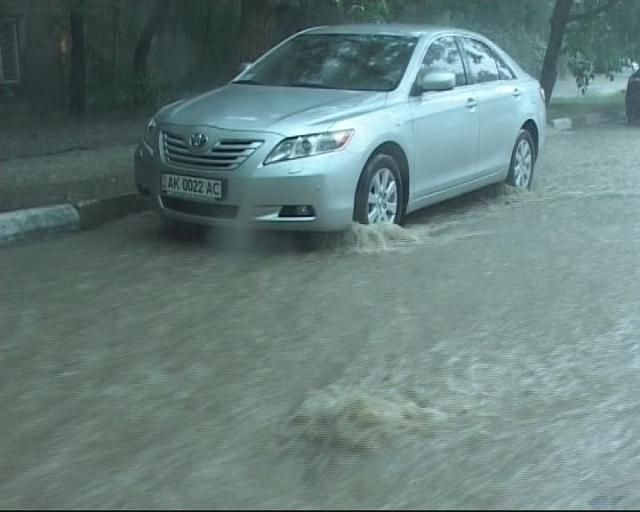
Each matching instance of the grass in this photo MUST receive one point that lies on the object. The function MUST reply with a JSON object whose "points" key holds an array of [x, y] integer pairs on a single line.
{"points": [[580, 105]]}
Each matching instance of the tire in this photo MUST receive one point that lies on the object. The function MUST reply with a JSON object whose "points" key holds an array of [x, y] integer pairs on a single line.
{"points": [[389, 205], [523, 161]]}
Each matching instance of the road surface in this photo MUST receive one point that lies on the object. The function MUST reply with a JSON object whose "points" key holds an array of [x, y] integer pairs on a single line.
{"points": [[487, 355]]}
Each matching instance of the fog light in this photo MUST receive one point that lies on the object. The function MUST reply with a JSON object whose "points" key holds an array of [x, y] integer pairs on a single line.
{"points": [[301, 210]]}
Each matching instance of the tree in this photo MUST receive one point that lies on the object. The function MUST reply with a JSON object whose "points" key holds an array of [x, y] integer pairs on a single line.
{"points": [[78, 76], [559, 20], [605, 42], [263, 23], [258, 27], [563, 19], [116, 37], [143, 48], [115, 27]]}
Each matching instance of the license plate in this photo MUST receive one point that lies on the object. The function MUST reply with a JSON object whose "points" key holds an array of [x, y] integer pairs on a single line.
{"points": [[189, 187]]}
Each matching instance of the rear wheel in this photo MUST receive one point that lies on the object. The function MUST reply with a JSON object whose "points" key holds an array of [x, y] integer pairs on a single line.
{"points": [[522, 162], [379, 196]]}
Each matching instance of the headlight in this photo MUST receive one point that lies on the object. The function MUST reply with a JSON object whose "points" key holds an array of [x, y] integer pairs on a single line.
{"points": [[147, 139], [309, 145], [151, 128]]}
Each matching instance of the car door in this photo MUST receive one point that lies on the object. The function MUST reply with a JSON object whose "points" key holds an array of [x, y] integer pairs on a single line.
{"points": [[445, 123], [498, 96]]}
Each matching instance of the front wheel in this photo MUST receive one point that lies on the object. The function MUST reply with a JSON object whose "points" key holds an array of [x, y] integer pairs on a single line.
{"points": [[379, 194], [522, 162]]}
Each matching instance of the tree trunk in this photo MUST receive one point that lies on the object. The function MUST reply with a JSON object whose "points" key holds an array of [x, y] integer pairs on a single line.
{"points": [[78, 79], [143, 50], [559, 20], [115, 28], [258, 23], [292, 17], [413, 11]]}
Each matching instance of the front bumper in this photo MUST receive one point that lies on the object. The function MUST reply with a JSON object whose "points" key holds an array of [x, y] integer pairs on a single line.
{"points": [[255, 194]]}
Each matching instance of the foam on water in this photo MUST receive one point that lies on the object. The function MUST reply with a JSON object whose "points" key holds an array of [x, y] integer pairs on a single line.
{"points": [[373, 239], [355, 421], [385, 238]]}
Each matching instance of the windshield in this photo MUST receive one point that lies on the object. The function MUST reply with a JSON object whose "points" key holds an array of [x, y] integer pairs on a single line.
{"points": [[336, 61]]}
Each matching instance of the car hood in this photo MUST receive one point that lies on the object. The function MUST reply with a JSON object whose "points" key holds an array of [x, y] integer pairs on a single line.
{"points": [[282, 110]]}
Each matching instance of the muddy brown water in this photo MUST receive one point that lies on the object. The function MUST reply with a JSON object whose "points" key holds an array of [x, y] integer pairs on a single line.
{"points": [[487, 355]]}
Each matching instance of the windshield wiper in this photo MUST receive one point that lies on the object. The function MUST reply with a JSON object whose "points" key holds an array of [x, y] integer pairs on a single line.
{"points": [[248, 81], [311, 86]]}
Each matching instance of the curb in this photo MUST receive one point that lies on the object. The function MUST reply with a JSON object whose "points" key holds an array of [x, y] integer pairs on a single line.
{"points": [[94, 212], [20, 224]]}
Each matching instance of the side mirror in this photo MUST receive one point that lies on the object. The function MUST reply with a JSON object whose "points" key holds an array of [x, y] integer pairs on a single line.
{"points": [[438, 81], [244, 66]]}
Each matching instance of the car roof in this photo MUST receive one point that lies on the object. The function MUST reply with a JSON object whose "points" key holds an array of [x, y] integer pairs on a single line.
{"points": [[386, 29]]}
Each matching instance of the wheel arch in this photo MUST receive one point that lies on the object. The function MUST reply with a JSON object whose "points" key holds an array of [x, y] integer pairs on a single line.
{"points": [[394, 150], [531, 127]]}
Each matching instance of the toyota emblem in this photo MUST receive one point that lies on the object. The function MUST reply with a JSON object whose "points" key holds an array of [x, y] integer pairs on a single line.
{"points": [[197, 140]]}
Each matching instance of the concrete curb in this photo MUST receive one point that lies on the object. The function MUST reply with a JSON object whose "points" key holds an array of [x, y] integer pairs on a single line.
{"points": [[19, 224], [98, 211]]}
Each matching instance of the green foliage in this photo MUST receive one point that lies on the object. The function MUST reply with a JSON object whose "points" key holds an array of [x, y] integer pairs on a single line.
{"points": [[605, 42], [208, 33], [583, 71], [372, 11]]}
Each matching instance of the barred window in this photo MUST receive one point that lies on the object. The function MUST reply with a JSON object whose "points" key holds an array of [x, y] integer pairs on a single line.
{"points": [[9, 56]]}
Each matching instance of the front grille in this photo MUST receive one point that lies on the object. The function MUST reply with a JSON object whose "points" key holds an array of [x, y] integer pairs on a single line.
{"points": [[218, 211], [225, 155]]}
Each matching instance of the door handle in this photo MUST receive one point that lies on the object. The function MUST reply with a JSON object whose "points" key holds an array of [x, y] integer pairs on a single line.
{"points": [[472, 103], [516, 92]]}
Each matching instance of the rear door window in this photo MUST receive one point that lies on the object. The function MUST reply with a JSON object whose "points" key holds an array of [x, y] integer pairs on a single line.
{"points": [[481, 63], [506, 73]]}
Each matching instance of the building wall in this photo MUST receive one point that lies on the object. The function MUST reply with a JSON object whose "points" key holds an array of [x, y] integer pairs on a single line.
{"points": [[39, 50]]}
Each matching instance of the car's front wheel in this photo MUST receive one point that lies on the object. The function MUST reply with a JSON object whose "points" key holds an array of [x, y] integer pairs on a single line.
{"points": [[379, 195], [522, 162]]}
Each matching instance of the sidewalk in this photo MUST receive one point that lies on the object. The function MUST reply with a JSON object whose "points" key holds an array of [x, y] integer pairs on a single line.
{"points": [[48, 159], [66, 178], [60, 161], [600, 86], [603, 102]]}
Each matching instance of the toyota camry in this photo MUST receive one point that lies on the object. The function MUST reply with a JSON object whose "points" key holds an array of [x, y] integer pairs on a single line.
{"points": [[363, 123]]}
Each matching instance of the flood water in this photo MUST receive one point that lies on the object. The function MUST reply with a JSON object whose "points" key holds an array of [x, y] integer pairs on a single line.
{"points": [[487, 355]]}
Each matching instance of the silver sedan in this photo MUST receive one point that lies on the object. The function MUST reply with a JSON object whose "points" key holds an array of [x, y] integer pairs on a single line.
{"points": [[363, 123]]}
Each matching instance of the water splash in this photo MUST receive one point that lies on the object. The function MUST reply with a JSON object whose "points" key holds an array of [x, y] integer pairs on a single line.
{"points": [[355, 421], [368, 239]]}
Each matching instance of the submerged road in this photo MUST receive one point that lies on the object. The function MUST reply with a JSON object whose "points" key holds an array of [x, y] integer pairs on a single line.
{"points": [[487, 355]]}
